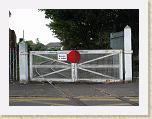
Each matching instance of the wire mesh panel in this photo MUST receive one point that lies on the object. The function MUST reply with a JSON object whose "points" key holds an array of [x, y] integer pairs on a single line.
{"points": [[100, 65], [45, 66]]}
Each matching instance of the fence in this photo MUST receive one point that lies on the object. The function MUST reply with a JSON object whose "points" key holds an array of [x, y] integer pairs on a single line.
{"points": [[13, 55]]}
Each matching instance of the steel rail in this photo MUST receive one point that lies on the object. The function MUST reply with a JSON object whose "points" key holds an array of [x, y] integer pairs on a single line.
{"points": [[118, 97], [67, 95]]}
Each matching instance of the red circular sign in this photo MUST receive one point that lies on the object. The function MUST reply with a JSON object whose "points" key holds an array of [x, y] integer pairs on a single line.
{"points": [[74, 56]]}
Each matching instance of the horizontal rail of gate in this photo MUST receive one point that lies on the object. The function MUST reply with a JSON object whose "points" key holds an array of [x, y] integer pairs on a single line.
{"points": [[94, 66]]}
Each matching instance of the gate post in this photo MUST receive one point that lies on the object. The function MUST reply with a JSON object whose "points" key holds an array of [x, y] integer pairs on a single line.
{"points": [[121, 65], [23, 62], [31, 62], [127, 53]]}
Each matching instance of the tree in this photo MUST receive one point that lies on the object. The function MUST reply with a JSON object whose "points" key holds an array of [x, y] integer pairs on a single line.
{"points": [[31, 45], [35, 47], [89, 28], [39, 46]]}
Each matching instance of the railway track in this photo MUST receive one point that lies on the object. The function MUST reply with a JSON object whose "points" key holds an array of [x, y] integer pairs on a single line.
{"points": [[119, 97], [71, 95], [64, 93], [77, 101]]}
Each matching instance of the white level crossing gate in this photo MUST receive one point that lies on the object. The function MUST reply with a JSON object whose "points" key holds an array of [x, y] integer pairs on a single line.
{"points": [[94, 66]]}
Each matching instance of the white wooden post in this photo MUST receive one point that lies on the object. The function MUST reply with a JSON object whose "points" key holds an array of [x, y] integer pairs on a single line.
{"points": [[31, 69], [74, 71], [121, 65], [23, 62], [127, 53]]}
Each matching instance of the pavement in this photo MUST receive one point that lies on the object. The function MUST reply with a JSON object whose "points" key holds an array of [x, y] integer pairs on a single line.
{"points": [[73, 94]]}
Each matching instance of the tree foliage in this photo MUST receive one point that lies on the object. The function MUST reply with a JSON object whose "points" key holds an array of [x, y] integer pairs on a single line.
{"points": [[38, 46], [89, 28]]}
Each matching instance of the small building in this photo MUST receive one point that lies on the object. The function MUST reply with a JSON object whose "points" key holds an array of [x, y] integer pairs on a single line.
{"points": [[12, 39], [54, 46], [12, 55]]}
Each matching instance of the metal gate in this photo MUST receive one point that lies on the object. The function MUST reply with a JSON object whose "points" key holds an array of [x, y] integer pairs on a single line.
{"points": [[100, 65], [94, 66]]}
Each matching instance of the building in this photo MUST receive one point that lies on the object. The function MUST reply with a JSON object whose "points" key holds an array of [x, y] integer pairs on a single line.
{"points": [[12, 55], [54, 46], [12, 39]]}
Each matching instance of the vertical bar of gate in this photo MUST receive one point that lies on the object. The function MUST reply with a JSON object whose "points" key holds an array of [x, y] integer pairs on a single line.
{"points": [[16, 63], [121, 65], [31, 62], [74, 72], [12, 64], [10, 73]]}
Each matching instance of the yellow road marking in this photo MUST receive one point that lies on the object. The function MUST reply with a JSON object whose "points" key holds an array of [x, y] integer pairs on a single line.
{"points": [[85, 98], [100, 99], [81, 98], [57, 104], [40, 102], [115, 104], [38, 98], [49, 104], [62, 99], [134, 100], [88, 97]]}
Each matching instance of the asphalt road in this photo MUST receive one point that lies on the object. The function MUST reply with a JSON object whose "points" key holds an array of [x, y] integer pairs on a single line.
{"points": [[74, 94]]}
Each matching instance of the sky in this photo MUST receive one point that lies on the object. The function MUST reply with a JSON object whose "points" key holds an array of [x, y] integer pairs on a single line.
{"points": [[33, 22]]}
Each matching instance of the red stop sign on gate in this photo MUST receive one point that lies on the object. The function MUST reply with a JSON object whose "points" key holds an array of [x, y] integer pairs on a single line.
{"points": [[74, 56]]}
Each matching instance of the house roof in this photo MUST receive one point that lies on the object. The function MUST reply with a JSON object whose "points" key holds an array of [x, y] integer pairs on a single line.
{"points": [[54, 44]]}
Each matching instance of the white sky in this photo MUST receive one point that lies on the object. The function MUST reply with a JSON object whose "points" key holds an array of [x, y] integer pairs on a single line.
{"points": [[33, 23]]}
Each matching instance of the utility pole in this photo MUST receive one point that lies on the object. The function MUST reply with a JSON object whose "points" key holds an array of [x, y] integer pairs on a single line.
{"points": [[23, 34]]}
